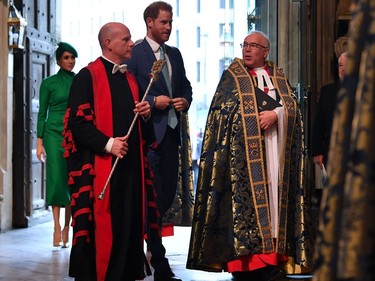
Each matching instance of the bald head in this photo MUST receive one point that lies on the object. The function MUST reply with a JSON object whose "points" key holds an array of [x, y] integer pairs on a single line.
{"points": [[108, 32], [115, 41]]}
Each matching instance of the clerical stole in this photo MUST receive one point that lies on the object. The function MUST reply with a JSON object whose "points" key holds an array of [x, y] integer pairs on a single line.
{"points": [[255, 152], [231, 219]]}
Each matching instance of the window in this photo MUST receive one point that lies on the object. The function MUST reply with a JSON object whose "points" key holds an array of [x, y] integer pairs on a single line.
{"points": [[198, 37], [222, 4], [177, 38], [221, 29], [221, 67], [178, 8], [198, 71]]}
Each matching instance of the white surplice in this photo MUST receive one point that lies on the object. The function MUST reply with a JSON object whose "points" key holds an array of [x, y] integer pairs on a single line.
{"points": [[274, 144]]}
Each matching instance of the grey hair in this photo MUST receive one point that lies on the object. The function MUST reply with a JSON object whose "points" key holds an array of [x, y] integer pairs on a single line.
{"points": [[263, 35]]}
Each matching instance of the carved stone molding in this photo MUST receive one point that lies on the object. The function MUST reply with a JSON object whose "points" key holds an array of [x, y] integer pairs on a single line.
{"points": [[343, 10], [343, 16]]}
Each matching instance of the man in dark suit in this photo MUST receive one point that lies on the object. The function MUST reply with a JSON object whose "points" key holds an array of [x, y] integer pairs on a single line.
{"points": [[324, 115], [168, 96]]}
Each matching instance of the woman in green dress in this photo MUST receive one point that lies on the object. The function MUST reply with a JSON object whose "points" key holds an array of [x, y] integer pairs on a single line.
{"points": [[53, 98]]}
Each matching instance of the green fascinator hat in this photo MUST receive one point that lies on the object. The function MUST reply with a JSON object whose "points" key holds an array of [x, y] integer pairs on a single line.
{"points": [[65, 47]]}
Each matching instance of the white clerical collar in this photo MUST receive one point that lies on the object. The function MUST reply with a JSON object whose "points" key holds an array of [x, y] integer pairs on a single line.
{"points": [[259, 68], [262, 76], [116, 67], [107, 59]]}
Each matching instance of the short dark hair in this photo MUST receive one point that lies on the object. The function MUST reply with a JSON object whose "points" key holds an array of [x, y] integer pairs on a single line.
{"points": [[152, 11]]}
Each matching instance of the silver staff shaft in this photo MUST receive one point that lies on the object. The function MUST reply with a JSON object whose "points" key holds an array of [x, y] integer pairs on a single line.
{"points": [[156, 69], [101, 195]]}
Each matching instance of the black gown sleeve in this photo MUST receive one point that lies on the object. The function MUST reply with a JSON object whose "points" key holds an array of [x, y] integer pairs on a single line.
{"points": [[81, 117]]}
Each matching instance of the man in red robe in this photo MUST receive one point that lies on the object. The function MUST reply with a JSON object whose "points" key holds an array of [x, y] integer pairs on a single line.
{"points": [[104, 99]]}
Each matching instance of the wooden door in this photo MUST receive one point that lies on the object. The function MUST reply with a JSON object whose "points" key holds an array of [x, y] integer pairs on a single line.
{"points": [[32, 65]]}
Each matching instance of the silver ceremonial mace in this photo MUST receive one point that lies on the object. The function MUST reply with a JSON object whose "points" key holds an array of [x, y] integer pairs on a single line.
{"points": [[155, 70]]}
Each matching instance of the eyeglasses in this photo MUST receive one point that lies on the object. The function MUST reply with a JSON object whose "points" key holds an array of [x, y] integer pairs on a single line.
{"points": [[252, 46]]}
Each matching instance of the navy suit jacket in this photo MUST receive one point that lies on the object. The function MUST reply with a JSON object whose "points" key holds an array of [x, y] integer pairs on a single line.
{"points": [[140, 65], [322, 125]]}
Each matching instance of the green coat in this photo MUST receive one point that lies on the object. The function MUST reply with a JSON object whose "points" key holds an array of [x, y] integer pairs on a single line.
{"points": [[53, 98]]}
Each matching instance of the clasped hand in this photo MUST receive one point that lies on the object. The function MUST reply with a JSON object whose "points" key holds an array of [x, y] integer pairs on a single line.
{"points": [[267, 119], [162, 102]]}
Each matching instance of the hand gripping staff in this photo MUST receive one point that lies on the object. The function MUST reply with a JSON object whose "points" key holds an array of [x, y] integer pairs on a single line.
{"points": [[155, 70]]}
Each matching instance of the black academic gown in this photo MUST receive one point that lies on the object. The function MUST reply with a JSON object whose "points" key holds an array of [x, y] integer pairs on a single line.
{"points": [[126, 261]]}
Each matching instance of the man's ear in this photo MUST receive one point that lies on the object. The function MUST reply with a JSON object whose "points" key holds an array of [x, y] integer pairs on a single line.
{"points": [[107, 42], [149, 22], [266, 53]]}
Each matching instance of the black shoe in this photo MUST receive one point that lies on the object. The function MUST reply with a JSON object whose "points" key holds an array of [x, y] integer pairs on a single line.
{"points": [[273, 273], [254, 275], [165, 276]]}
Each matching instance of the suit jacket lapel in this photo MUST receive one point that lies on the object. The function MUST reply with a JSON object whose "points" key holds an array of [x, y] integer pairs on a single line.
{"points": [[150, 56]]}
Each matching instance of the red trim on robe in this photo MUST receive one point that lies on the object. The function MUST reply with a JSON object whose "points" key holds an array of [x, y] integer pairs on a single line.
{"points": [[75, 195], [103, 163], [256, 261], [79, 234], [167, 230], [78, 173]]}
